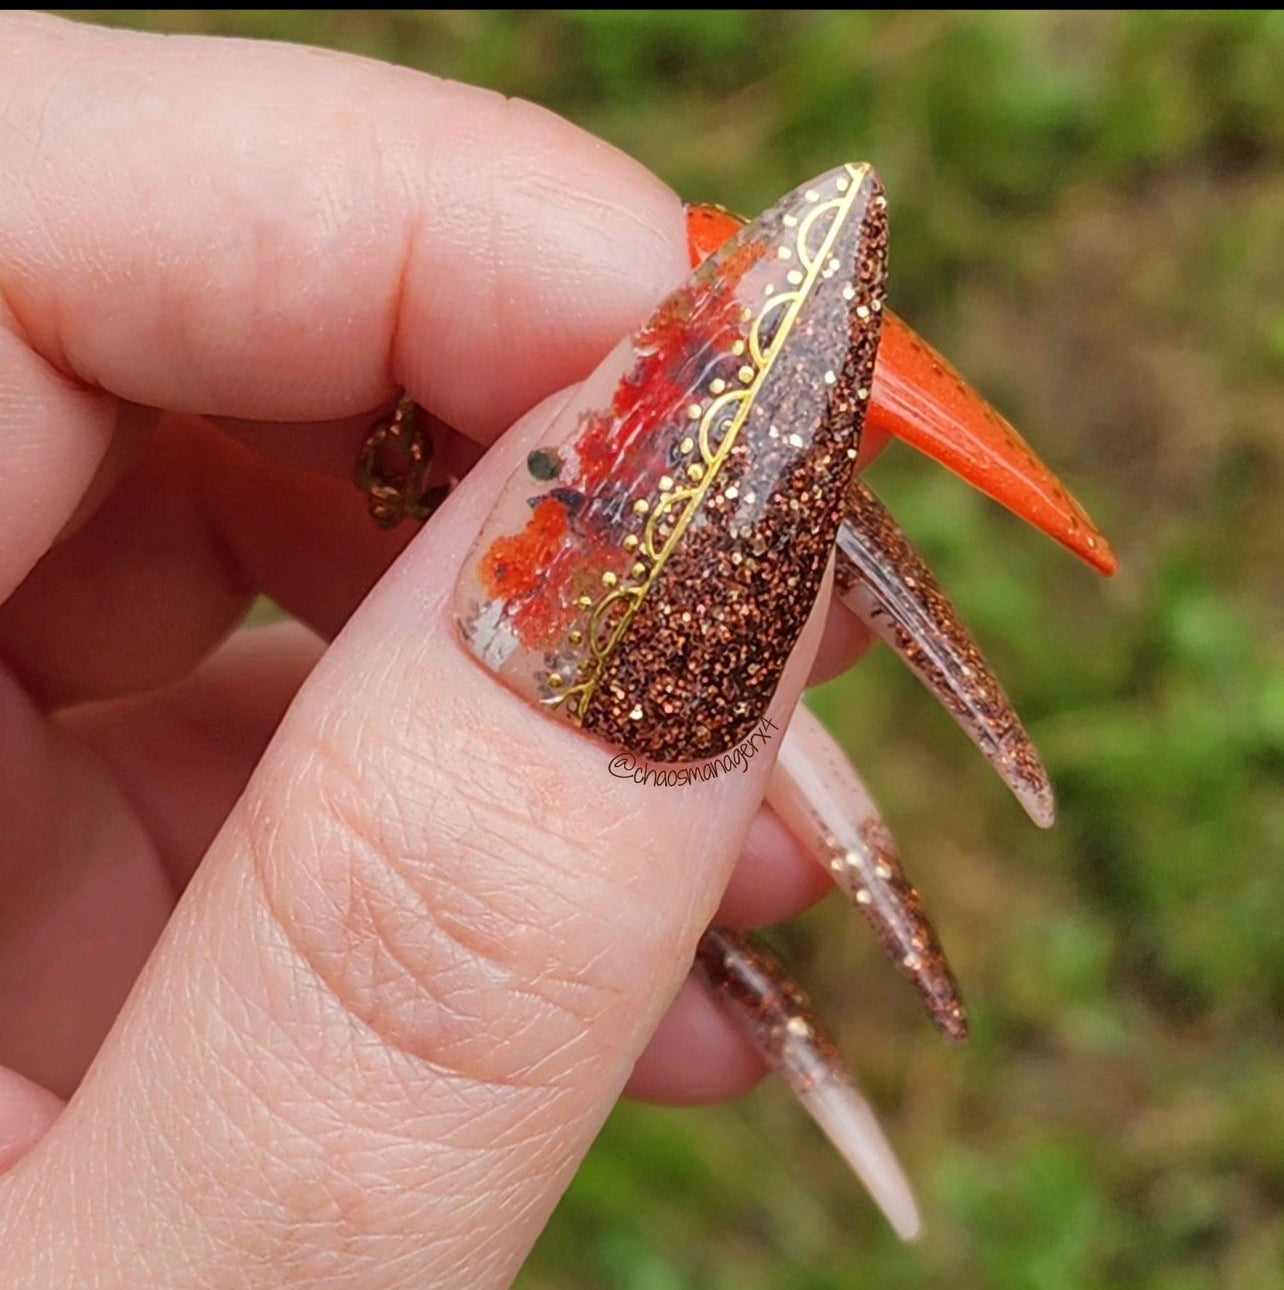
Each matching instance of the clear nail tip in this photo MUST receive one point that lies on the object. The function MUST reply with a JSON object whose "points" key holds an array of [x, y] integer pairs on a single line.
{"points": [[773, 1012]]}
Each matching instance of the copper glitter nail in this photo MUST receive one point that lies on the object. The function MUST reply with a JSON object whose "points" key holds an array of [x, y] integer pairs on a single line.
{"points": [[649, 568], [882, 579], [773, 1012], [824, 802]]}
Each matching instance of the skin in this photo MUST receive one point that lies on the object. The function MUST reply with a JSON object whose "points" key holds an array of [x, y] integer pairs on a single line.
{"points": [[340, 952]]}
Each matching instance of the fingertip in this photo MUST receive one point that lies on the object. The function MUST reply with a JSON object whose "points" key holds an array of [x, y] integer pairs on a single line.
{"points": [[27, 1113], [696, 1056], [572, 245], [319, 229], [845, 641], [774, 879], [54, 438]]}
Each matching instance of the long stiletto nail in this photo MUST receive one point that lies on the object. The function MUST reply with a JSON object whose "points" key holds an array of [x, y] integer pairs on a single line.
{"points": [[647, 571], [770, 1008], [919, 398], [818, 794], [882, 579]]}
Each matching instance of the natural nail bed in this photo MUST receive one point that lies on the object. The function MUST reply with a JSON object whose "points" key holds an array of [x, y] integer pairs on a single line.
{"points": [[647, 571]]}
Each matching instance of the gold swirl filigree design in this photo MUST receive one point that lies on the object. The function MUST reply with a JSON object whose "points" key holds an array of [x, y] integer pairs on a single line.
{"points": [[720, 424]]}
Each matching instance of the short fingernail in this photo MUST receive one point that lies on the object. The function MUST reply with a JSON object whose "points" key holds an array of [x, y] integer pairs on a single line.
{"points": [[647, 571], [819, 795]]}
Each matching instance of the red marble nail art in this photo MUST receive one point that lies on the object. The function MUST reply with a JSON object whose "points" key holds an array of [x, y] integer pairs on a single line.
{"points": [[646, 573]]}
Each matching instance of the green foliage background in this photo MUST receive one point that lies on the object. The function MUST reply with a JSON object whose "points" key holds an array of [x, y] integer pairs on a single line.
{"points": [[1088, 216]]}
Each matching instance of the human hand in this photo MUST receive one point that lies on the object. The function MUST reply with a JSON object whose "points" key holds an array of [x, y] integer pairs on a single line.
{"points": [[430, 938]]}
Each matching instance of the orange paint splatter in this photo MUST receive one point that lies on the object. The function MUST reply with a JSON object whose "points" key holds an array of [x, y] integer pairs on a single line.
{"points": [[708, 227], [567, 545], [514, 566]]}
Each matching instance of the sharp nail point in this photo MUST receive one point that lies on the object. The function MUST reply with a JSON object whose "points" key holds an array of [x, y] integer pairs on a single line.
{"points": [[1040, 806], [851, 1125]]}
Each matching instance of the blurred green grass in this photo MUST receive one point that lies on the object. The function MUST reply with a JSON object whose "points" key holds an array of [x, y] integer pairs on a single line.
{"points": [[1088, 216]]}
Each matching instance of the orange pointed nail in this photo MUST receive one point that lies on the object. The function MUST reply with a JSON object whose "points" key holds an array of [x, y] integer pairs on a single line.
{"points": [[918, 397]]}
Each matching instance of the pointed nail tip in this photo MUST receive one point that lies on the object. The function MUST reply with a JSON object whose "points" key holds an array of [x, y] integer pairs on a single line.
{"points": [[1107, 562], [955, 1029], [1033, 789], [1041, 807], [911, 1231], [902, 1213], [1102, 559], [944, 1003], [1091, 546], [850, 1124]]}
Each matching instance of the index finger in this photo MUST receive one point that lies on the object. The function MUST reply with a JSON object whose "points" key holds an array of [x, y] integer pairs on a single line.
{"points": [[275, 233]]}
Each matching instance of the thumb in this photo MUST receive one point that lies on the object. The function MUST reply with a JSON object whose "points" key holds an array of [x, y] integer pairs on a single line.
{"points": [[421, 958]]}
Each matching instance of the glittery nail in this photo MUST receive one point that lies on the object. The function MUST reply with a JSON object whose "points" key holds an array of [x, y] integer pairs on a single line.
{"points": [[648, 569], [824, 802], [884, 581], [774, 1014]]}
